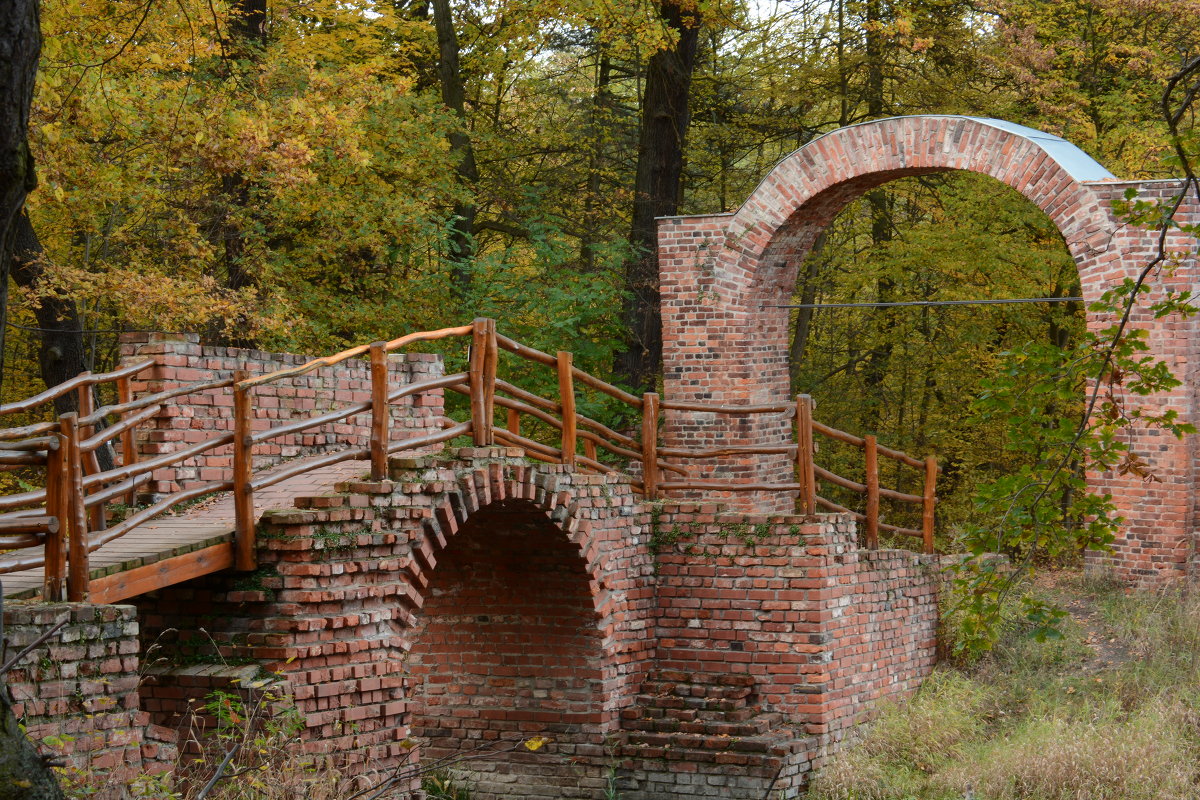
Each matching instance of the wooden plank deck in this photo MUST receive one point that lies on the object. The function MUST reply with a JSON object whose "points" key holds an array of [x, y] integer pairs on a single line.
{"points": [[195, 541]]}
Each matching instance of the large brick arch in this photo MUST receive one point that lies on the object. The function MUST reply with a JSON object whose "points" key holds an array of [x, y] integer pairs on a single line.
{"points": [[508, 644], [531, 588], [721, 274]]}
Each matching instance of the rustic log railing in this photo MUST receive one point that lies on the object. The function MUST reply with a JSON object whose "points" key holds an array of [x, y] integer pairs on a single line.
{"points": [[59, 526]]}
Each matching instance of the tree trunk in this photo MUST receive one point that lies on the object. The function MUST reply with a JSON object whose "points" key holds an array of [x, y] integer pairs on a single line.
{"points": [[20, 45], [61, 352], [23, 773], [462, 228], [808, 296], [61, 349], [248, 31], [656, 188], [601, 118], [249, 23]]}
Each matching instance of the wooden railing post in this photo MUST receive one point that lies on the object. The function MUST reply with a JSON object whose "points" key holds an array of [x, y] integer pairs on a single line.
{"points": [[128, 439], [872, 457], [650, 445], [589, 449], [243, 467], [805, 472], [58, 506], [481, 421], [514, 421], [380, 415], [491, 359], [929, 501], [566, 399], [78, 570], [89, 462]]}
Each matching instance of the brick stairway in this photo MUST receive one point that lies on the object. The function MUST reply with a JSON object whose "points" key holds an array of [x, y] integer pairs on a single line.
{"points": [[716, 723]]}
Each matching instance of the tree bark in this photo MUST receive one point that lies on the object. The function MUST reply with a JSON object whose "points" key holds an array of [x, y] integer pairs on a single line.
{"points": [[462, 228], [248, 32], [20, 46], [601, 110], [808, 296], [23, 773], [664, 126], [61, 351]]}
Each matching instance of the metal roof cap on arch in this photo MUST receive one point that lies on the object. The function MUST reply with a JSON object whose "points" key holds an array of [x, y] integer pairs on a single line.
{"points": [[1076, 163]]}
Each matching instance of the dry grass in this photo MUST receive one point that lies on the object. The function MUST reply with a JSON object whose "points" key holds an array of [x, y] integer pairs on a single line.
{"points": [[1048, 720], [1150, 756]]}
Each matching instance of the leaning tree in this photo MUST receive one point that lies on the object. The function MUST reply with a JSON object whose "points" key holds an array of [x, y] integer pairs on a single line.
{"points": [[23, 773]]}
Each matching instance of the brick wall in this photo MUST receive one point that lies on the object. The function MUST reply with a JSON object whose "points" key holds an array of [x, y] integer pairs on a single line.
{"points": [[506, 647], [363, 602], [1158, 539], [795, 632], [200, 416], [77, 694], [485, 600], [720, 275]]}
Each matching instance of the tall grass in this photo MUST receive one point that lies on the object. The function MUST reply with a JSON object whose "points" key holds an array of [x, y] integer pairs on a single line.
{"points": [[1048, 720]]}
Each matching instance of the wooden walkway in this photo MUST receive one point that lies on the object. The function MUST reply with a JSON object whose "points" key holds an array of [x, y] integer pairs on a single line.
{"points": [[200, 540]]}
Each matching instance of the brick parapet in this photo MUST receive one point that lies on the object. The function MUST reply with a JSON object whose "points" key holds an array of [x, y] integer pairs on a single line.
{"points": [[197, 417], [77, 694], [825, 630]]}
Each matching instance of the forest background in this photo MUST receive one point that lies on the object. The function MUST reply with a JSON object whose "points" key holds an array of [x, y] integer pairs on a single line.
{"points": [[305, 176]]}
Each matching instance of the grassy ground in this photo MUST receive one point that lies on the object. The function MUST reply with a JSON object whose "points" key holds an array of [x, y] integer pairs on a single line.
{"points": [[1109, 712]]}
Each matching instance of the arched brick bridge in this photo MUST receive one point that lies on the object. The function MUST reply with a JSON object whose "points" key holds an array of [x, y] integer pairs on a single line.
{"points": [[674, 628]]}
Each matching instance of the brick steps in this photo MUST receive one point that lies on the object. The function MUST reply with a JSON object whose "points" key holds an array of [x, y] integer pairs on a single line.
{"points": [[712, 720]]}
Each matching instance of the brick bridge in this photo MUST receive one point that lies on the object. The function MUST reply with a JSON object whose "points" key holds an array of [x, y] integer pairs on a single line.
{"points": [[666, 605]]}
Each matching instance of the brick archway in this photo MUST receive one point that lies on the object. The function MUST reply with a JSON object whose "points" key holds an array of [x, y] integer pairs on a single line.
{"points": [[508, 644], [530, 588], [720, 275]]}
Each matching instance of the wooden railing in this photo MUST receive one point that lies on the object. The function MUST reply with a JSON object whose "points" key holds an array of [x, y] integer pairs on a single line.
{"points": [[59, 526]]}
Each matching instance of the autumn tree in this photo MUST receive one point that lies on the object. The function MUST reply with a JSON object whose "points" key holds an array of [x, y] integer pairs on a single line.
{"points": [[24, 775], [665, 114]]}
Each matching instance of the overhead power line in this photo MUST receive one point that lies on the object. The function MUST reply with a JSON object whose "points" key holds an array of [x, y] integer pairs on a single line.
{"points": [[928, 303]]}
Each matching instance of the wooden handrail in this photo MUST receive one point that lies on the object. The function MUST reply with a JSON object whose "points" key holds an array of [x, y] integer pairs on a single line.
{"points": [[805, 452], [606, 388], [872, 469], [481, 421], [126, 425], [75, 383], [78, 572], [164, 460], [553, 407], [928, 501], [380, 411], [27, 431], [783, 408], [650, 480], [128, 443], [337, 358], [149, 513], [23, 499], [56, 518], [154, 399], [525, 351]]}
